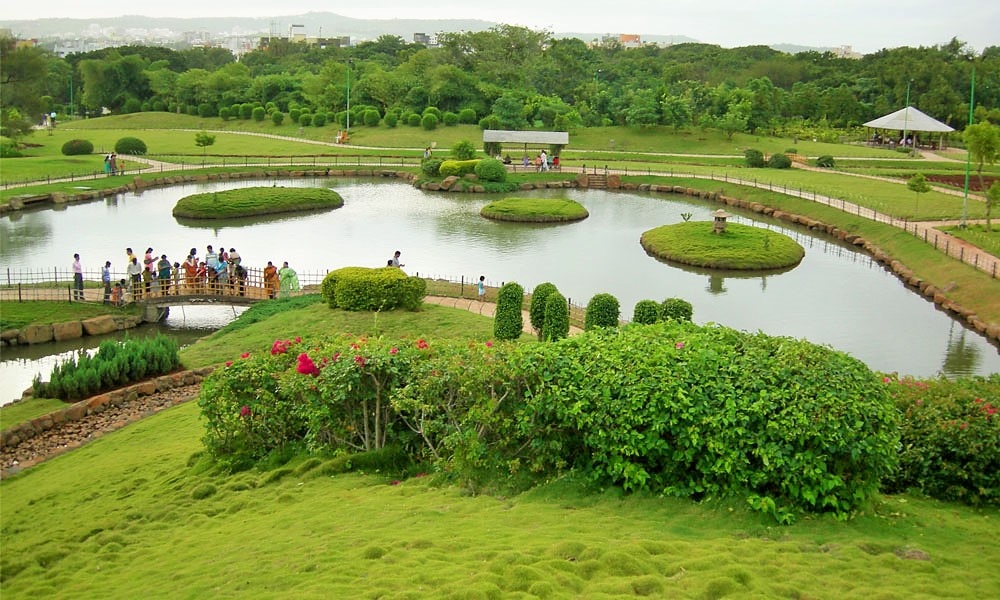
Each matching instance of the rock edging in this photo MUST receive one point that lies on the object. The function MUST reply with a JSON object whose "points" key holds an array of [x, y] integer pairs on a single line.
{"points": [[39, 334], [31, 442]]}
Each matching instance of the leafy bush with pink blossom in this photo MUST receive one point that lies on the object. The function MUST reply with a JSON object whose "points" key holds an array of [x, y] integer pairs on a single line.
{"points": [[949, 437]]}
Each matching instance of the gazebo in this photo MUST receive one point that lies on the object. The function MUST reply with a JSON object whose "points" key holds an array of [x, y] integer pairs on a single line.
{"points": [[910, 119], [498, 138]]}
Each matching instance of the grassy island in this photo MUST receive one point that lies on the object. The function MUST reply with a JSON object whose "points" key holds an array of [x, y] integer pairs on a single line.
{"points": [[251, 202], [535, 210], [738, 247]]}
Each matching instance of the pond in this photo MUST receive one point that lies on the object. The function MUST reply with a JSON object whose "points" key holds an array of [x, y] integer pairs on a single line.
{"points": [[837, 296]]}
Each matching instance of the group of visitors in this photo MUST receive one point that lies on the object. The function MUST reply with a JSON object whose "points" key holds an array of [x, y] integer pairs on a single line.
{"points": [[112, 166]]}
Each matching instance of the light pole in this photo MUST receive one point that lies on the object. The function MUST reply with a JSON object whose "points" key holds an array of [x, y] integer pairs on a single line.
{"points": [[968, 155], [348, 97]]}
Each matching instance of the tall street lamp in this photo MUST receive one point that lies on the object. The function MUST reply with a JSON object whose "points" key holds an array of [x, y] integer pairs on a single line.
{"points": [[348, 97]]}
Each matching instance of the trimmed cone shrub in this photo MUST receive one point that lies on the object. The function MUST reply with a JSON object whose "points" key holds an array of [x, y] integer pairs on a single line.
{"points": [[646, 312], [754, 159], [556, 318], [130, 145], [76, 147], [536, 309], [676, 309], [508, 322], [491, 169], [603, 310]]}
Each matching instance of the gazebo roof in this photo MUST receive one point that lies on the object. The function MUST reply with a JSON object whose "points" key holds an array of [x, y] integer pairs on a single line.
{"points": [[526, 137], [909, 119]]}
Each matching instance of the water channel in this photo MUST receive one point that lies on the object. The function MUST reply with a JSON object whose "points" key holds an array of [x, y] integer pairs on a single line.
{"points": [[837, 296]]}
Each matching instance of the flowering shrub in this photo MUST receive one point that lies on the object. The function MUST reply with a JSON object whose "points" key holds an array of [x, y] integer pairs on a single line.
{"points": [[950, 438]]}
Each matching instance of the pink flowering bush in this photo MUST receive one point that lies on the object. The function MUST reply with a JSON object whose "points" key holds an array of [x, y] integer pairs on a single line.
{"points": [[949, 437]]}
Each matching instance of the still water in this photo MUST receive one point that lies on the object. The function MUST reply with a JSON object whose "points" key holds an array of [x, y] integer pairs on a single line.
{"points": [[837, 296]]}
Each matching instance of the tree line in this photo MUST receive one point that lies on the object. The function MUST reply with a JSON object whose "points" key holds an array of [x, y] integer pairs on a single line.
{"points": [[515, 76]]}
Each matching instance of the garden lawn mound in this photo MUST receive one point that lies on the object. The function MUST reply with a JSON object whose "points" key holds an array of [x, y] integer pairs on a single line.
{"points": [[249, 202], [535, 210], [739, 247]]}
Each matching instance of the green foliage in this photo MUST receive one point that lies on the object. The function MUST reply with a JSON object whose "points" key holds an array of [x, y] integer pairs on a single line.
{"points": [[949, 438], [363, 288], [429, 122], [676, 309], [225, 113], [536, 309], [259, 113], [294, 114], [791, 151], [114, 365], [371, 117], [508, 320], [646, 312], [450, 119], [305, 119], [277, 117], [491, 169], [467, 116], [8, 149], [206, 110], [243, 202], [130, 145], [603, 310], [918, 184], [77, 147], [556, 324], [431, 166], [463, 150], [391, 119], [413, 120], [779, 161], [489, 122], [754, 159], [458, 168], [826, 161], [203, 139], [319, 120]]}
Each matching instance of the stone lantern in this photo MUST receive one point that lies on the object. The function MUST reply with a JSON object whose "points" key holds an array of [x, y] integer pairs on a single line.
{"points": [[719, 225]]}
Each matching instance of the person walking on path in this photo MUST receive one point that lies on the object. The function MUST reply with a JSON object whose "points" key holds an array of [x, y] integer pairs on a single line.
{"points": [[271, 280], [481, 288], [106, 280], [544, 161], [395, 260], [77, 278], [289, 280]]}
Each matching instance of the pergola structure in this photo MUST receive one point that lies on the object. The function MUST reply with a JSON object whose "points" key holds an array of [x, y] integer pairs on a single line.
{"points": [[908, 120], [537, 139]]}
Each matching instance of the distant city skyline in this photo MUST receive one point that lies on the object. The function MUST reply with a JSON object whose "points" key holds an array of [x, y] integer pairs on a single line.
{"points": [[867, 26]]}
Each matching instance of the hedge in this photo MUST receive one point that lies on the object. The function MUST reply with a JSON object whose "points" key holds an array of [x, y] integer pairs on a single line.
{"points": [[364, 288]]}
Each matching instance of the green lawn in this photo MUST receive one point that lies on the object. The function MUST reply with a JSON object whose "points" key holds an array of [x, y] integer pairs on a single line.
{"points": [[139, 513], [41, 312]]}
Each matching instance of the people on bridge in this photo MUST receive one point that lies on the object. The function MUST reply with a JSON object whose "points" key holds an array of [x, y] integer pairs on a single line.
{"points": [[77, 278], [190, 273], [271, 280], [163, 268], [134, 272], [147, 282], [106, 280], [289, 280], [118, 293]]}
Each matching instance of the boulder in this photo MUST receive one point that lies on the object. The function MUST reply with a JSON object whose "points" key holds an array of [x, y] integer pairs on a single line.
{"points": [[99, 325], [70, 330], [35, 334]]}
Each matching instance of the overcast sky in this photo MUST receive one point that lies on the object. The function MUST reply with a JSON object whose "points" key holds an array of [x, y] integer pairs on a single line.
{"points": [[867, 25]]}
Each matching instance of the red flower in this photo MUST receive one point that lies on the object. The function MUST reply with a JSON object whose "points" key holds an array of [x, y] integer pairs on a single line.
{"points": [[245, 355], [307, 366], [394, 482], [963, 426], [229, 363], [244, 411], [422, 344], [489, 344], [679, 345], [394, 350], [360, 360], [279, 347], [298, 339], [886, 380], [336, 356], [354, 346]]}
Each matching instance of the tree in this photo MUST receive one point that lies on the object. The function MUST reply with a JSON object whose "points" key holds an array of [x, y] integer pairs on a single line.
{"points": [[203, 140], [676, 111], [982, 141], [23, 72], [918, 184]]}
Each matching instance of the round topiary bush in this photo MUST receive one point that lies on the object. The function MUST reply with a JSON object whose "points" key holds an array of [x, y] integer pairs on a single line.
{"points": [[826, 161], [206, 110], [450, 119], [646, 312], [463, 150], [754, 159], [319, 120], [277, 117], [363, 288], [467, 116], [536, 309], [294, 114], [76, 147], [305, 119], [371, 117], [432, 110], [130, 145], [556, 325], [391, 119], [429, 122], [676, 309], [259, 114], [491, 169], [225, 114], [458, 168], [779, 161], [413, 120], [508, 321], [603, 310]]}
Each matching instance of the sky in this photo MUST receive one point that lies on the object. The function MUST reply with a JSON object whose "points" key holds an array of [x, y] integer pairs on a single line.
{"points": [[866, 25]]}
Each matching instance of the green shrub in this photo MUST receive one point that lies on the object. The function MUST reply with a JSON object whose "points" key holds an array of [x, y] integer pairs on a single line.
{"points": [[826, 161], [76, 147], [294, 114], [491, 169], [319, 120], [371, 117], [246, 111], [225, 114], [489, 122], [305, 120], [556, 326], [536, 309], [363, 288], [8, 149], [791, 151], [259, 113], [391, 119], [432, 110], [779, 161], [206, 110], [450, 119], [463, 150], [431, 166], [754, 158], [130, 145], [676, 309], [191, 110], [508, 321], [458, 168], [467, 116], [646, 312], [603, 310], [277, 117], [429, 122], [413, 120], [949, 438]]}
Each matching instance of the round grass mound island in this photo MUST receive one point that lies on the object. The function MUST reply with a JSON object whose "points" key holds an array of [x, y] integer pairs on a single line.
{"points": [[739, 247], [535, 210], [255, 201]]}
